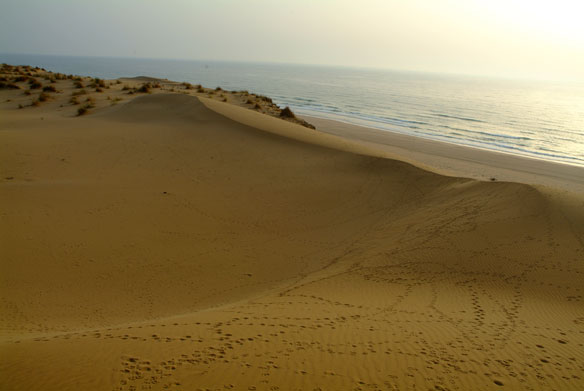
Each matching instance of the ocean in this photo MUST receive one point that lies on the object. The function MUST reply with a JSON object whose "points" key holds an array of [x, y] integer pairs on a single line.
{"points": [[539, 119]]}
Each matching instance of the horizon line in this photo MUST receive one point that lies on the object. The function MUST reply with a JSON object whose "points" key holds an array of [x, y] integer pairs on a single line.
{"points": [[353, 67]]}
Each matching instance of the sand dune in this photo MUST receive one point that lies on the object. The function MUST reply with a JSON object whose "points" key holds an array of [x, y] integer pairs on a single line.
{"points": [[160, 245]]}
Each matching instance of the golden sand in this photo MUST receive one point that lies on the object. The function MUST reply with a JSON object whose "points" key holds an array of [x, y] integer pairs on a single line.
{"points": [[163, 243]]}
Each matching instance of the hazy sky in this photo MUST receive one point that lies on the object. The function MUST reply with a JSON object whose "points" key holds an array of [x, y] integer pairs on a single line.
{"points": [[527, 38]]}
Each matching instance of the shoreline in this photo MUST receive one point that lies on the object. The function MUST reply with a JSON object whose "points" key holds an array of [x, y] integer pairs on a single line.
{"points": [[456, 159], [346, 119]]}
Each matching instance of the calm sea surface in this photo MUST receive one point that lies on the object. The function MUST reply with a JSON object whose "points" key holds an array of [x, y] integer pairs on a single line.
{"points": [[538, 119]]}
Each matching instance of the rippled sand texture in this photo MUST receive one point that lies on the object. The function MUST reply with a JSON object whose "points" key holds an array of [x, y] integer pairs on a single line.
{"points": [[157, 245]]}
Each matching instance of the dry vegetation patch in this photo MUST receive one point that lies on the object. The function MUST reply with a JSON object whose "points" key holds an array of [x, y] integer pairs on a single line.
{"points": [[78, 86]]}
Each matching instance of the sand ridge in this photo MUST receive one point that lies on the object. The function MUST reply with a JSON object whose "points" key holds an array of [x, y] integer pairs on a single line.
{"points": [[158, 244]]}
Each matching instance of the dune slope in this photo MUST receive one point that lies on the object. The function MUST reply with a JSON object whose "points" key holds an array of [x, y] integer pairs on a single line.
{"points": [[160, 245]]}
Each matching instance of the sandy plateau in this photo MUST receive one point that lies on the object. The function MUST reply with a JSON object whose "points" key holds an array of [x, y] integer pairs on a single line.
{"points": [[182, 238]]}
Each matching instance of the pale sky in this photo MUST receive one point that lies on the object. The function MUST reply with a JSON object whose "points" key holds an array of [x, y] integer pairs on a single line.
{"points": [[509, 38]]}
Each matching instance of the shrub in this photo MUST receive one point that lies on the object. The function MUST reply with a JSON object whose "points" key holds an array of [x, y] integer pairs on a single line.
{"points": [[265, 98], [8, 86], [84, 109], [224, 99], [35, 85], [77, 84], [200, 89], [27, 92], [126, 87], [98, 89], [49, 89], [80, 92], [20, 78], [287, 113], [188, 86], [99, 82], [74, 100], [20, 106], [145, 88], [257, 106], [248, 102], [43, 97]]}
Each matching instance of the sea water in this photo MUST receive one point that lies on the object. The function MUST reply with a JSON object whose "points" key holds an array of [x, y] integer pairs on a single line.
{"points": [[539, 119]]}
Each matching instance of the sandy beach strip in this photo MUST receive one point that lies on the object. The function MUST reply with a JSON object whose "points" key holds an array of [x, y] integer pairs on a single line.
{"points": [[459, 160]]}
